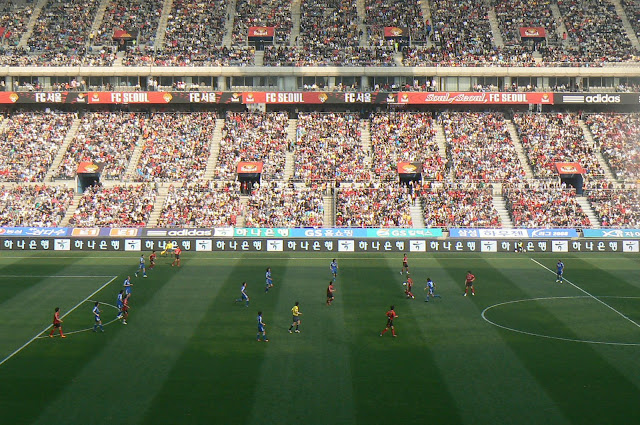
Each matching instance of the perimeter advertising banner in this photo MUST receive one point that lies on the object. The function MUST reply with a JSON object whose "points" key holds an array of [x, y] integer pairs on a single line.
{"points": [[288, 98], [596, 98], [347, 245]]}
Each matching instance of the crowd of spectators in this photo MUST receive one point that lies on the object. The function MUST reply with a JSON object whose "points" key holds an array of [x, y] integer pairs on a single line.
{"points": [[63, 27], [140, 17], [328, 26], [329, 147], [114, 206], [459, 204], [176, 146], [262, 13], [618, 208], [479, 147], [596, 31], [14, 18], [632, 9], [394, 13], [38, 205], [211, 56], [254, 138], [618, 136], [375, 205], [515, 14], [405, 137], [536, 205], [107, 138], [275, 205], [320, 56], [28, 143], [201, 204], [555, 137]]}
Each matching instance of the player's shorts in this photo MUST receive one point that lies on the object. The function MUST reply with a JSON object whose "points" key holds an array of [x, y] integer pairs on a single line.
{"points": [[296, 319], [260, 328], [389, 323], [244, 297], [127, 290], [405, 265], [269, 282], [334, 271], [119, 306], [97, 318], [57, 325], [468, 284], [430, 292], [177, 256]]}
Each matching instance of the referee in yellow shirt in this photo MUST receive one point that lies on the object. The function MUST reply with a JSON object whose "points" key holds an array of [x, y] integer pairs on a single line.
{"points": [[296, 317]]}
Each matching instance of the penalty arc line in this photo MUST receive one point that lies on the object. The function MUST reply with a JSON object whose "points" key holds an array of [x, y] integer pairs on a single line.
{"points": [[590, 295], [63, 316]]}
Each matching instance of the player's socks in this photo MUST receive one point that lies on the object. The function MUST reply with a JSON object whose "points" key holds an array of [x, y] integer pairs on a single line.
{"points": [[393, 332], [384, 331]]}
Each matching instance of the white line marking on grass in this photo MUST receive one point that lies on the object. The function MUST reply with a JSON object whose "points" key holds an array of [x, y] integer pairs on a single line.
{"points": [[49, 326], [48, 276], [87, 329], [549, 336], [582, 290]]}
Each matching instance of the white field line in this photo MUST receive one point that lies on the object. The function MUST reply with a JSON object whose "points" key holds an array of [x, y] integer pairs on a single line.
{"points": [[11, 276], [49, 326], [590, 295]]}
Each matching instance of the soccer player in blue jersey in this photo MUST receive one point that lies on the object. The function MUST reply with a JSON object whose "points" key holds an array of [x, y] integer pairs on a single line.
{"points": [[430, 288], [261, 330], [268, 280], [243, 295], [127, 285], [96, 317], [334, 269], [119, 304], [141, 267], [559, 271]]}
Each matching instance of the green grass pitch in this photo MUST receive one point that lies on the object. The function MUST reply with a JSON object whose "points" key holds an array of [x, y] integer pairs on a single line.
{"points": [[524, 350]]}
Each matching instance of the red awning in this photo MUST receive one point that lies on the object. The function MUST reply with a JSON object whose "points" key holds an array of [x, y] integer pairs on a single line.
{"points": [[532, 32], [123, 35], [249, 167], [89, 168], [393, 32], [569, 168], [261, 31], [409, 167]]}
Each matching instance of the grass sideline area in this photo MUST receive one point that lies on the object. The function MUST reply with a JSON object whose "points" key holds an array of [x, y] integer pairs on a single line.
{"points": [[523, 350]]}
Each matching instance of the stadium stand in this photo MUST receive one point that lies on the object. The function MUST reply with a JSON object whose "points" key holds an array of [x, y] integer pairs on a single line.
{"points": [[617, 208], [29, 142], [107, 138], [458, 205], [175, 146], [541, 205], [253, 137], [480, 147], [618, 136], [329, 147], [376, 205], [114, 206], [201, 204], [275, 205], [39, 205], [550, 138]]}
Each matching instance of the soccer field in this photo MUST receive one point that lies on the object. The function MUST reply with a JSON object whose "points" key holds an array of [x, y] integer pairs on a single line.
{"points": [[523, 350]]}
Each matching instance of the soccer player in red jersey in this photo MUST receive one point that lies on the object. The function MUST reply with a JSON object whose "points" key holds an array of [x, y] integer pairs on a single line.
{"points": [[125, 309], [468, 283], [57, 323], [408, 287], [391, 314], [152, 260], [405, 264], [177, 253], [330, 291]]}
